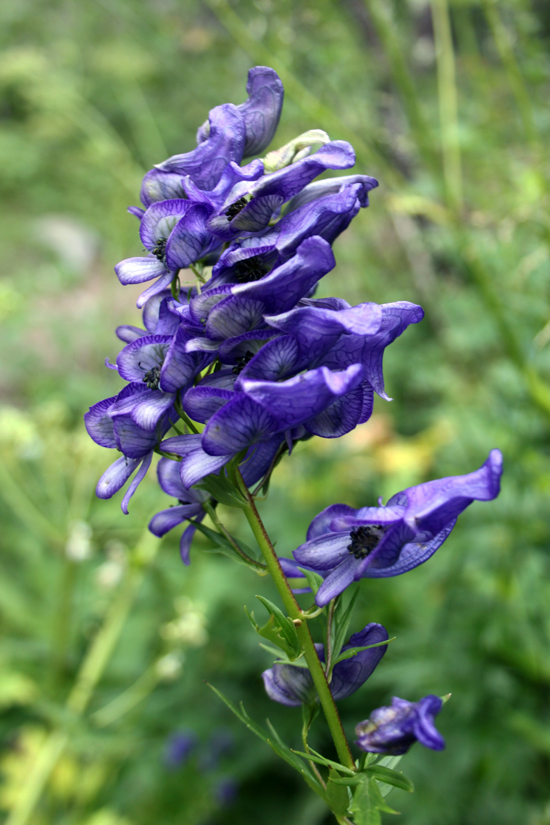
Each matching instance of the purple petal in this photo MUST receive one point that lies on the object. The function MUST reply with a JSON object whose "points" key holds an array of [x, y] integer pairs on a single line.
{"points": [[287, 684], [433, 504], [273, 362], [190, 239], [99, 424], [200, 403], [142, 355], [293, 401], [325, 551], [166, 520], [234, 316], [339, 418], [225, 143], [197, 464], [160, 219], [337, 581], [424, 728], [132, 440], [136, 481], [262, 110], [330, 186], [286, 284], [128, 333], [139, 270], [349, 674], [187, 539], [161, 186], [180, 367], [158, 287], [320, 525], [116, 476], [239, 424]]}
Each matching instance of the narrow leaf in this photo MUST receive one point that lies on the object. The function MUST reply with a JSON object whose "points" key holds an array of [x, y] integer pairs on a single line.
{"points": [[338, 797], [353, 651], [386, 775], [313, 579], [288, 631], [317, 757]]}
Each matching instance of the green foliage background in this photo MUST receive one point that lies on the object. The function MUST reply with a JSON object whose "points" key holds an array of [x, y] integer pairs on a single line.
{"points": [[91, 95]]}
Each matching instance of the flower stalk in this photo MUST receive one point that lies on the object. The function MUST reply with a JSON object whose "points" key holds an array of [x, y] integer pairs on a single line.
{"points": [[302, 629]]}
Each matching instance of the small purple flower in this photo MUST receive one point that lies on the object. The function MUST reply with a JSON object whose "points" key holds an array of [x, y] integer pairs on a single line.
{"points": [[292, 685], [111, 428], [179, 748], [189, 506], [392, 730], [261, 111], [377, 542], [249, 207]]}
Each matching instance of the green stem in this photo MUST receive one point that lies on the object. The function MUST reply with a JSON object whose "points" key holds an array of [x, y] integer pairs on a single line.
{"points": [[304, 634], [225, 532], [448, 110]]}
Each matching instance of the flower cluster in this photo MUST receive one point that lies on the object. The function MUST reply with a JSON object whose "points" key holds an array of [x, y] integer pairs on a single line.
{"points": [[236, 361]]}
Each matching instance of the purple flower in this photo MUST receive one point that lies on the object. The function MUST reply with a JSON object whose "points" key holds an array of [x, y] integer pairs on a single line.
{"points": [[292, 685], [189, 506], [110, 427], [249, 207], [261, 112], [392, 730], [383, 541], [326, 217], [179, 748]]}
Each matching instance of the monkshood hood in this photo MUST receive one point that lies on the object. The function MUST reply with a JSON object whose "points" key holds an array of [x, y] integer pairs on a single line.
{"points": [[376, 542]]}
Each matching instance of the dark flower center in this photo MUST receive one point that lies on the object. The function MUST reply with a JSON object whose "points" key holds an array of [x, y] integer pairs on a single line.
{"points": [[251, 269], [242, 362], [236, 207], [159, 249], [364, 539], [152, 378]]}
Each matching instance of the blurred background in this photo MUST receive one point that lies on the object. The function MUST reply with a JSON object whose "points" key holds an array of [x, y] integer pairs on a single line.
{"points": [[107, 638]]}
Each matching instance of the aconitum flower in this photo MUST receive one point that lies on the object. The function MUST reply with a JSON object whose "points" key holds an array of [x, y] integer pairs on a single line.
{"points": [[392, 730], [292, 685], [189, 506], [377, 542]]}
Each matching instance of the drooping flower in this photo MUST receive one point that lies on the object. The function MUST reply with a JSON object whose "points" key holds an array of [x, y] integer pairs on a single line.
{"points": [[388, 540], [292, 685], [189, 506], [392, 730], [110, 425]]}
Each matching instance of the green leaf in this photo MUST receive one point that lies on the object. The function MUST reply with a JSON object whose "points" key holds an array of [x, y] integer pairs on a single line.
{"points": [[222, 490], [390, 777], [353, 651], [387, 762], [271, 631], [378, 799], [342, 618], [338, 796], [322, 760], [313, 579], [363, 807], [275, 743], [287, 631], [223, 546]]}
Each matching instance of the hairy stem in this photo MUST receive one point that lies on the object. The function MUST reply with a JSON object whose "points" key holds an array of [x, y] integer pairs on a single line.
{"points": [[304, 635]]}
